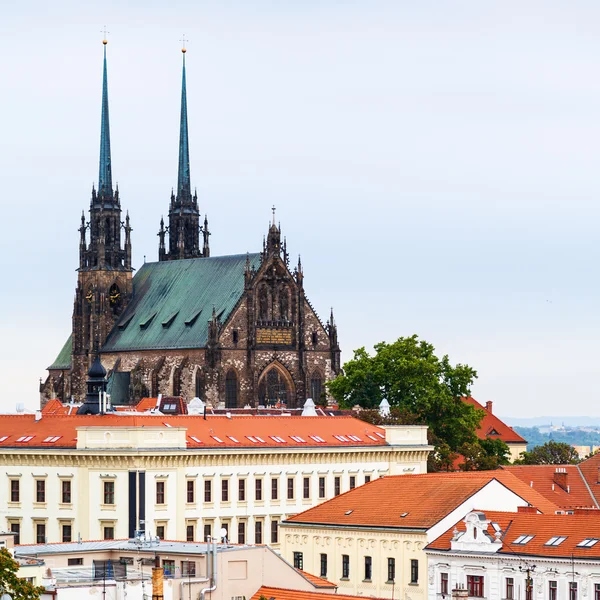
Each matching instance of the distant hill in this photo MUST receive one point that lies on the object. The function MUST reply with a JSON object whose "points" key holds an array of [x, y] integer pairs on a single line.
{"points": [[541, 421]]}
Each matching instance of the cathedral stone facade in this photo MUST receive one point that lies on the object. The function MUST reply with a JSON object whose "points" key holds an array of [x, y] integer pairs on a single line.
{"points": [[232, 330]]}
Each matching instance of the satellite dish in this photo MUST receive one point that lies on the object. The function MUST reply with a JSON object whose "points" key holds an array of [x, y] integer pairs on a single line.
{"points": [[223, 533]]}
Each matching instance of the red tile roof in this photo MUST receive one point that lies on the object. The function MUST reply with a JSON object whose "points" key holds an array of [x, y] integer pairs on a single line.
{"points": [[423, 500], [575, 528], [56, 407], [318, 582], [542, 479], [590, 469], [17, 431], [492, 427], [285, 594]]}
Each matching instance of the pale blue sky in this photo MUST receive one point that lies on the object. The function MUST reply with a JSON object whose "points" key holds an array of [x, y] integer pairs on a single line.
{"points": [[435, 163]]}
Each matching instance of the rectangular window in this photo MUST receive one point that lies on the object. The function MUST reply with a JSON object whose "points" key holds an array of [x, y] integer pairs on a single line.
{"points": [[345, 566], [258, 532], [337, 486], [306, 488], [414, 570], [510, 588], [553, 590], [190, 533], [367, 478], [40, 490], [242, 490], [109, 533], [160, 532], [75, 562], [572, 590], [16, 529], [109, 492], [40, 533], [242, 532], [321, 487], [168, 567], [597, 591], [207, 490], [191, 488], [160, 492], [529, 588], [444, 584], [391, 570], [274, 489], [65, 491], [258, 489], [475, 586], [290, 488], [225, 526], [323, 565], [15, 490], [67, 532], [274, 531], [298, 561], [368, 568], [188, 568], [225, 490], [352, 482], [207, 531]]}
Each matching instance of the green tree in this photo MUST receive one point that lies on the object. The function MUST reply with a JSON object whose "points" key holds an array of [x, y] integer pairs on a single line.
{"points": [[426, 389], [550, 453], [17, 588], [484, 455]]}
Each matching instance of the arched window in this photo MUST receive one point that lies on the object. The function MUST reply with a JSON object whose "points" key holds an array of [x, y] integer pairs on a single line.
{"points": [[199, 384], [263, 303], [231, 389], [316, 387], [273, 388]]}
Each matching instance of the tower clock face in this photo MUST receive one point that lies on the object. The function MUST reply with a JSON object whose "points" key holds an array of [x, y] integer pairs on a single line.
{"points": [[114, 297], [89, 296]]}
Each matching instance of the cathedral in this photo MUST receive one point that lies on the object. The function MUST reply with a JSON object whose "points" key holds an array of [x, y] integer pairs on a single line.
{"points": [[234, 330]]}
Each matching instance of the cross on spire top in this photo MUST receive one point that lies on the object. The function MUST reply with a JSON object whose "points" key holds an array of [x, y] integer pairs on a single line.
{"points": [[105, 35], [273, 210], [183, 41]]}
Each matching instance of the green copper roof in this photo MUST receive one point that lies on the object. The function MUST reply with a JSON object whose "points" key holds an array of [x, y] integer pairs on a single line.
{"points": [[173, 302], [63, 360]]}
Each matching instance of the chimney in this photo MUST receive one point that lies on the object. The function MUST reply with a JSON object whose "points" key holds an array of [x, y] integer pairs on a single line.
{"points": [[527, 509], [488, 406], [561, 478], [38, 415], [460, 593]]}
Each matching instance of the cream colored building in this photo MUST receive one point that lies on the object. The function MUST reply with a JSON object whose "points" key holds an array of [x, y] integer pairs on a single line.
{"points": [[70, 477], [371, 541]]}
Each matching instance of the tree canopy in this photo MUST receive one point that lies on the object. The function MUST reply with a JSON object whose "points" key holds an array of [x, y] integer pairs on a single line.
{"points": [[19, 589], [550, 453]]}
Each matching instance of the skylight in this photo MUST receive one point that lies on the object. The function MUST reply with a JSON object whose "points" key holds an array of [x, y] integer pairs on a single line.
{"points": [[372, 437], [317, 438], [523, 539], [214, 437], [260, 439], [253, 440], [278, 439], [298, 439], [51, 439], [167, 425], [195, 439], [380, 435], [25, 438], [496, 527], [349, 512], [355, 438], [233, 439], [588, 543], [341, 438], [4, 438], [557, 540]]}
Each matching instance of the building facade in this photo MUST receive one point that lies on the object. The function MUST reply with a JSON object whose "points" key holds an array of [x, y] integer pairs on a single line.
{"points": [[73, 477], [235, 330]]}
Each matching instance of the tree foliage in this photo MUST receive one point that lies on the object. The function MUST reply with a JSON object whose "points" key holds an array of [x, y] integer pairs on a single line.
{"points": [[426, 389], [550, 453], [19, 589]]}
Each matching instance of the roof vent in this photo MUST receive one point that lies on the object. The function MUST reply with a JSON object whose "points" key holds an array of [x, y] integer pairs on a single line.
{"points": [[309, 408], [349, 512], [404, 515], [384, 408]]}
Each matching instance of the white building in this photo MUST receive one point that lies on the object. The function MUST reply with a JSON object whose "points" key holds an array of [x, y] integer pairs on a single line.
{"points": [[68, 477], [518, 556]]}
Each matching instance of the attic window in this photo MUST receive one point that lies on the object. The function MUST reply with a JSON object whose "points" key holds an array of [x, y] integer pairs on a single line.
{"points": [[193, 318], [51, 439], [236, 441], [349, 512], [126, 322], [195, 439], [403, 515], [298, 439], [341, 438], [278, 439], [214, 437], [168, 322], [167, 425], [4, 438], [317, 438], [25, 438], [372, 437], [557, 540], [260, 439], [253, 440], [588, 543], [523, 539], [493, 432], [496, 527], [146, 323], [355, 438], [380, 435]]}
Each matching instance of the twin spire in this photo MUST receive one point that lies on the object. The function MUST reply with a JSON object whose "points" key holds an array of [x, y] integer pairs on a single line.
{"points": [[184, 216]]}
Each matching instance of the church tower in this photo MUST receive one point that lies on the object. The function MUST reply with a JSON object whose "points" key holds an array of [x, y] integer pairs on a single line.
{"points": [[104, 275], [184, 216]]}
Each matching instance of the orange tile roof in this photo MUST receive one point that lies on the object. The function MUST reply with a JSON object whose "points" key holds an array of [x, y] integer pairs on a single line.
{"points": [[319, 582], [285, 594], [492, 427], [426, 499], [590, 470], [575, 528], [18, 431], [541, 478], [56, 407]]}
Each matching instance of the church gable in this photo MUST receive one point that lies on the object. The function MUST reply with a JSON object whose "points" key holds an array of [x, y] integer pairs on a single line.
{"points": [[173, 302]]}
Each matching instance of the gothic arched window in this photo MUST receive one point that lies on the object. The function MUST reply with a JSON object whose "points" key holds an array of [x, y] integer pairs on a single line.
{"points": [[284, 304], [316, 387], [273, 388], [199, 384], [263, 303], [231, 389]]}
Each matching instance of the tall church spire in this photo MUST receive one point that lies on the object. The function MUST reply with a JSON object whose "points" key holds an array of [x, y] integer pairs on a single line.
{"points": [[105, 176], [183, 178], [184, 216]]}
